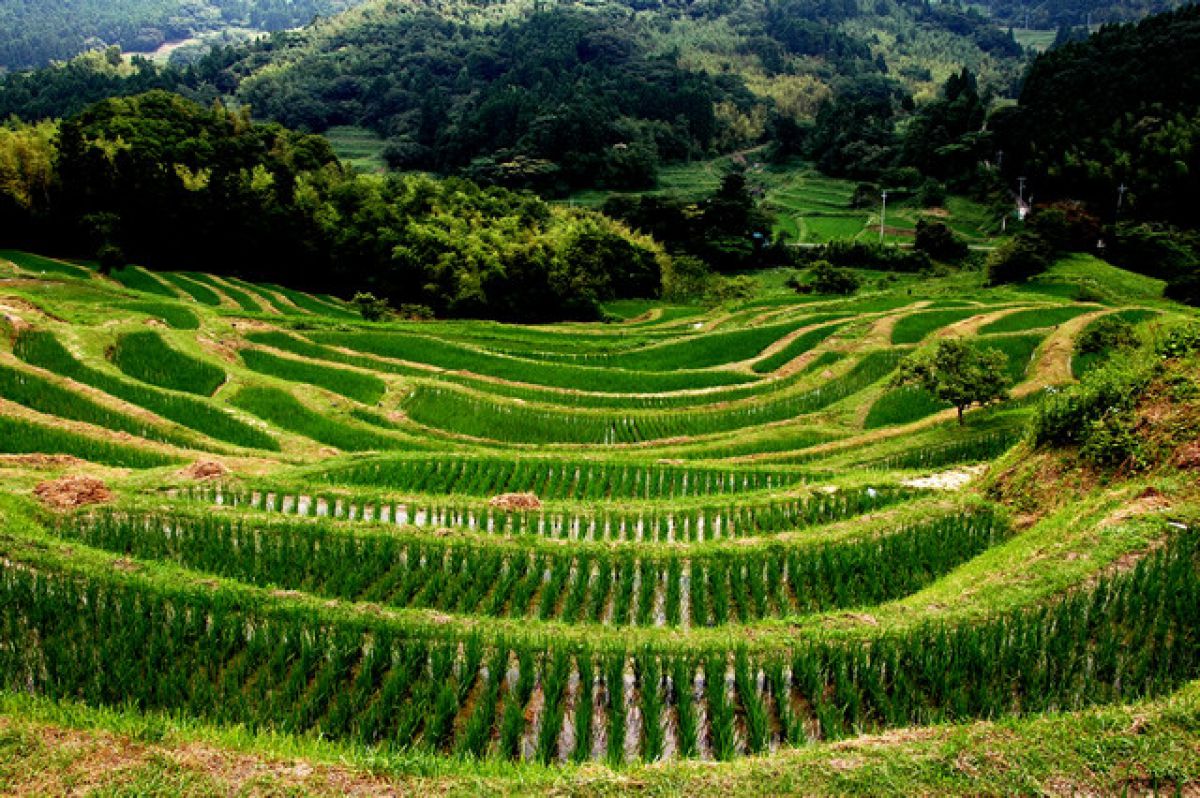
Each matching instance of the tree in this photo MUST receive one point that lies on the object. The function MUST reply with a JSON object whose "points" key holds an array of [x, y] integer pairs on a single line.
{"points": [[371, 307], [829, 279], [958, 373], [1024, 256], [938, 241]]}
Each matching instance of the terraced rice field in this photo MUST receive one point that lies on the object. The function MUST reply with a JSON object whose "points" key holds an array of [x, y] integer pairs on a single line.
{"points": [[811, 208], [701, 535]]}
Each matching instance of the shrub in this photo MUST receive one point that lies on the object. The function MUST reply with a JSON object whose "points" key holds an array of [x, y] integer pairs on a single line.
{"points": [[1184, 288], [860, 254], [371, 307], [110, 258], [1025, 256], [731, 289], [825, 278], [1111, 441], [865, 195], [1066, 417], [939, 242], [1154, 250], [1179, 341], [1104, 335], [1065, 225]]}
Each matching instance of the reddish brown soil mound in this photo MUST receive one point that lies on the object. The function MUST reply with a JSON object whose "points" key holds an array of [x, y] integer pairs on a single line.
{"points": [[204, 469], [516, 501], [69, 492], [1189, 456]]}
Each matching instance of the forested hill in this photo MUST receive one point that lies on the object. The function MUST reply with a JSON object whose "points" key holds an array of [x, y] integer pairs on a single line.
{"points": [[35, 32], [1114, 118], [565, 95], [1072, 13]]}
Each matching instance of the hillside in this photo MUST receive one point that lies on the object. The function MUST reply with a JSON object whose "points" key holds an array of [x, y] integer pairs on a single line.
{"points": [[452, 555], [565, 96], [56, 30]]}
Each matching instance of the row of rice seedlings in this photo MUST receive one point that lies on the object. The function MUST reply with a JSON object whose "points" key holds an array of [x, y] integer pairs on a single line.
{"points": [[242, 299], [1035, 318], [45, 396], [617, 588], [21, 436], [456, 357], [975, 449], [138, 279], [267, 299], [172, 314], [145, 356], [286, 412], [914, 328], [902, 405], [365, 678], [795, 348], [582, 399], [693, 351], [311, 304], [455, 411], [41, 348], [1019, 349], [365, 388], [196, 290], [767, 441], [39, 265], [659, 523], [554, 479]]}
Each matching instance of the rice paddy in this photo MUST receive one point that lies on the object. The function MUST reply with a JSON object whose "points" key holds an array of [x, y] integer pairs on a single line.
{"points": [[701, 534]]}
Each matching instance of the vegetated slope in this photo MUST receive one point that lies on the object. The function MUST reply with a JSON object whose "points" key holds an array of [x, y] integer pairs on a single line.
{"points": [[407, 579], [1119, 109], [567, 97], [260, 202], [1059, 14], [54, 30]]}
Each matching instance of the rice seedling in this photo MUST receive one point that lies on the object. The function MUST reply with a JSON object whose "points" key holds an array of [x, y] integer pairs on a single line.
{"points": [[145, 356]]}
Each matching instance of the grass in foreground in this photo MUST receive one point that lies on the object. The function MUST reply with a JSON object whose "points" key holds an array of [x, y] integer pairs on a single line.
{"points": [[53, 748]]}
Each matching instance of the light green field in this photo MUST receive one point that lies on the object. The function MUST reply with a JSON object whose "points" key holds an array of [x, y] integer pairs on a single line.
{"points": [[812, 208], [359, 147]]}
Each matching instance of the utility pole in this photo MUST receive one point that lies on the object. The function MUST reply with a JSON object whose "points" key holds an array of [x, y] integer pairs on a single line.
{"points": [[882, 216], [1000, 159], [1121, 189]]}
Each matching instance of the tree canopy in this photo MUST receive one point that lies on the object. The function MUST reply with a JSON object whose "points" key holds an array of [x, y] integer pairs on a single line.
{"points": [[142, 174], [957, 372]]}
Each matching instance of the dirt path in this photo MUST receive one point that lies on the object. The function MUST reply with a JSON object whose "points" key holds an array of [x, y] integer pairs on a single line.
{"points": [[971, 326]]}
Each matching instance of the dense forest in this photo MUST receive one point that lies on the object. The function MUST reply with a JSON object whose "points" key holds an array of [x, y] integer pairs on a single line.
{"points": [[1046, 14], [1114, 119], [35, 32], [567, 97], [131, 178]]}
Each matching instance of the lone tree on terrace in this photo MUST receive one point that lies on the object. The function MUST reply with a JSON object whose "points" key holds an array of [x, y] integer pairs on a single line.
{"points": [[958, 373]]}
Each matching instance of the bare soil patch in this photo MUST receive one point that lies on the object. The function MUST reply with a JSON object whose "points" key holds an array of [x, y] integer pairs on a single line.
{"points": [[511, 502], [73, 491], [947, 480], [202, 470], [40, 460]]}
